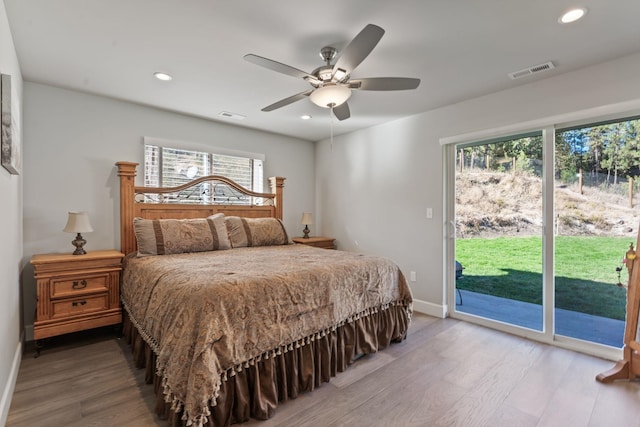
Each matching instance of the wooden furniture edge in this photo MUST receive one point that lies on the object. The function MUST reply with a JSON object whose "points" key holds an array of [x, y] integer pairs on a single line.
{"points": [[48, 328], [97, 255], [313, 239], [629, 367], [316, 241], [127, 174], [277, 185]]}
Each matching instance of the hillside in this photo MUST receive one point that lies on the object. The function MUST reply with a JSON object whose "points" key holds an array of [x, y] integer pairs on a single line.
{"points": [[490, 204]]}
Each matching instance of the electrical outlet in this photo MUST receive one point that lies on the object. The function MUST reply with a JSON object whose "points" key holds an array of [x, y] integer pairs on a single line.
{"points": [[412, 276], [429, 213]]}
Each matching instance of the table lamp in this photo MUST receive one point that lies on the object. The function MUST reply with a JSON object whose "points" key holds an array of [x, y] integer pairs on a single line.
{"points": [[307, 220], [78, 222]]}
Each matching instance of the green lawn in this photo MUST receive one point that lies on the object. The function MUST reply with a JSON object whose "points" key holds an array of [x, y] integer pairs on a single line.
{"points": [[585, 270]]}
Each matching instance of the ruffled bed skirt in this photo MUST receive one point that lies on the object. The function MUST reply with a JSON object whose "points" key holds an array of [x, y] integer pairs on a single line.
{"points": [[256, 390]]}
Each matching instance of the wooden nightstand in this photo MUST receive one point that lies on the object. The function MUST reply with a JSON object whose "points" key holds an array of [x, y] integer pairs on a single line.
{"points": [[318, 242], [76, 292]]}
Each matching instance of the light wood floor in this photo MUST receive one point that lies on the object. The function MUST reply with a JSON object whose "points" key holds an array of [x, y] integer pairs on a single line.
{"points": [[447, 373]]}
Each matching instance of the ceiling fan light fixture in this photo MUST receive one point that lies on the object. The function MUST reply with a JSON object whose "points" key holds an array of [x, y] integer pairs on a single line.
{"points": [[330, 95]]}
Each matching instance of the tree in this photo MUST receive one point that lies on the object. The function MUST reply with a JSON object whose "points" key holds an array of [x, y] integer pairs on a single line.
{"points": [[613, 147], [571, 147]]}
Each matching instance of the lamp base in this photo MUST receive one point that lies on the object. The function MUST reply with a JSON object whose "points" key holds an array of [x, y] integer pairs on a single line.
{"points": [[79, 242], [306, 232]]}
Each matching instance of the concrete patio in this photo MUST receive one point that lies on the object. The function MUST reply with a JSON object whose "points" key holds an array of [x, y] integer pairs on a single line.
{"points": [[572, 324]]}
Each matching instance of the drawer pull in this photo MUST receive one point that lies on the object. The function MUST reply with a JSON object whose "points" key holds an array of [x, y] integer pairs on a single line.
{"points": [[79, 285], [77, 303]]}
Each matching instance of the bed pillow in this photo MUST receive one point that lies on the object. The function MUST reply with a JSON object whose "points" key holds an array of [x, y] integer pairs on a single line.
{"points": [[245, 232], [174, 236]]}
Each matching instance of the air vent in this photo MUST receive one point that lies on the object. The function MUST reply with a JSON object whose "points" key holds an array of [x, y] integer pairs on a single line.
{"points": [[229, 115], [532, 70]]}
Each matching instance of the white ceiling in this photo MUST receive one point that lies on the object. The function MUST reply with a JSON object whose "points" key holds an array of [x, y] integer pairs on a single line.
{"points": [[460, 49]]}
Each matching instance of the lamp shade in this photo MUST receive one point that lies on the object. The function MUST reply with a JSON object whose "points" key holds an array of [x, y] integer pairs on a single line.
{"points": [[307, 218], [78, 222], [330, 95]]}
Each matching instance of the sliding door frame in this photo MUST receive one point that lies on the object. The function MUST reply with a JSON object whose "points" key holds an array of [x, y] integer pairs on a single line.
{"points": [[548, 127]]}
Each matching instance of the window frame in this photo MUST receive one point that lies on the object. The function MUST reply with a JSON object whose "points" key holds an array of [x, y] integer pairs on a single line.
{"points": [[204, 157]]}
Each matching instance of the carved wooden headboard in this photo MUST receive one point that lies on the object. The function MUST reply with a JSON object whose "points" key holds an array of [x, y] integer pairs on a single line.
{"points": [[162, 203]]}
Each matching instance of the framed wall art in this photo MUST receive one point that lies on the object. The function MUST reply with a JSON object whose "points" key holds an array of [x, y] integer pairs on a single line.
{"points": [[10, 140]]}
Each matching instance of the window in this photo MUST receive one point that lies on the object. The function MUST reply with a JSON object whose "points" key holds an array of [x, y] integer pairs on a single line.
{"points": [[169, 167]]}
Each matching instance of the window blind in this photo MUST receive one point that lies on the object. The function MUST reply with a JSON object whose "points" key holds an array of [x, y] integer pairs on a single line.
{"points": [[169, 167]]}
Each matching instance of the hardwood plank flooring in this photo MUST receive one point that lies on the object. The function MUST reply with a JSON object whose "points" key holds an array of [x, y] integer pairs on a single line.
{"points": [[447, 373]]}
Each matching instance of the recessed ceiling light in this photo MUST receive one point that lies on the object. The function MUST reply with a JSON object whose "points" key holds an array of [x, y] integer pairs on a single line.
{"points": [[572, 15], [305, 117], [162, 76]]}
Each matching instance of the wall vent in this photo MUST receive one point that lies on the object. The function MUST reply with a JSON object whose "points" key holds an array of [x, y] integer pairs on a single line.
{"points": [[229, 115], [532, 70]]}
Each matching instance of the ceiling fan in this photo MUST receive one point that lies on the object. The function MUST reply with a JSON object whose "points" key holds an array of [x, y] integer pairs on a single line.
{"points": [[332, 84]]}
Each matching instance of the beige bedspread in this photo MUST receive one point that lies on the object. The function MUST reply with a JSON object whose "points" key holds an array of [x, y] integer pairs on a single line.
{"points": [[208, 314]]}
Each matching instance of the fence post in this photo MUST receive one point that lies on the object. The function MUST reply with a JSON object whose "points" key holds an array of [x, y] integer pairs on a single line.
{"points": [[630, 191], [580, 181]]}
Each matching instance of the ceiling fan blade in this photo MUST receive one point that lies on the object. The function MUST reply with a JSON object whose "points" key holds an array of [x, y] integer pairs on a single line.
{"points": [[342, 111], [384, 83], [359, 48], [287, 101], [278, 66]]}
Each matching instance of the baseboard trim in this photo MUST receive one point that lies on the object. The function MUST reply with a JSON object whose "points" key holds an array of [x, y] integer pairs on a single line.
{"points": [[430, 308], [7, 393]]}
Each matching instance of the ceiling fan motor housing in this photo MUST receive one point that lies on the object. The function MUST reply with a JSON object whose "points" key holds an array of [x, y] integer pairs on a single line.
{"points": [[324, 73]]}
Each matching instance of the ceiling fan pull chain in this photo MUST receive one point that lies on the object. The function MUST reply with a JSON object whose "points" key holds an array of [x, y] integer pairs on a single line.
{"points": [[331, 125]]}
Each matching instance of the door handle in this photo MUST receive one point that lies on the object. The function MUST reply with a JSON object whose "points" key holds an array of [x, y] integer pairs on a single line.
{"points": [[451, 230]]}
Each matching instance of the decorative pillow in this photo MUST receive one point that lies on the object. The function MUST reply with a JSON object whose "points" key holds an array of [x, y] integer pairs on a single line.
{"points": [[255, 231], [174, 236]]}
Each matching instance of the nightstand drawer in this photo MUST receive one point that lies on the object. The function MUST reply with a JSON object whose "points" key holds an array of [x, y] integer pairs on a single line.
{"points": [[72, 286], [73, 307]]}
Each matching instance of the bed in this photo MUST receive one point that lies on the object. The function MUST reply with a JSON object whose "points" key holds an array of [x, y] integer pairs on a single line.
{"points": [[232, 319]]}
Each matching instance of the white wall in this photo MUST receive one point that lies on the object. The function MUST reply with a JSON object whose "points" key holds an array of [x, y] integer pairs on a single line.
{"points": [[11, 232], [75, 140], [374, 186]]}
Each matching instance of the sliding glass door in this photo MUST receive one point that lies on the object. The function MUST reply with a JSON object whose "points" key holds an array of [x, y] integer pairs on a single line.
{"points": [[498, 222], [539, 224], [595, 223]]}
